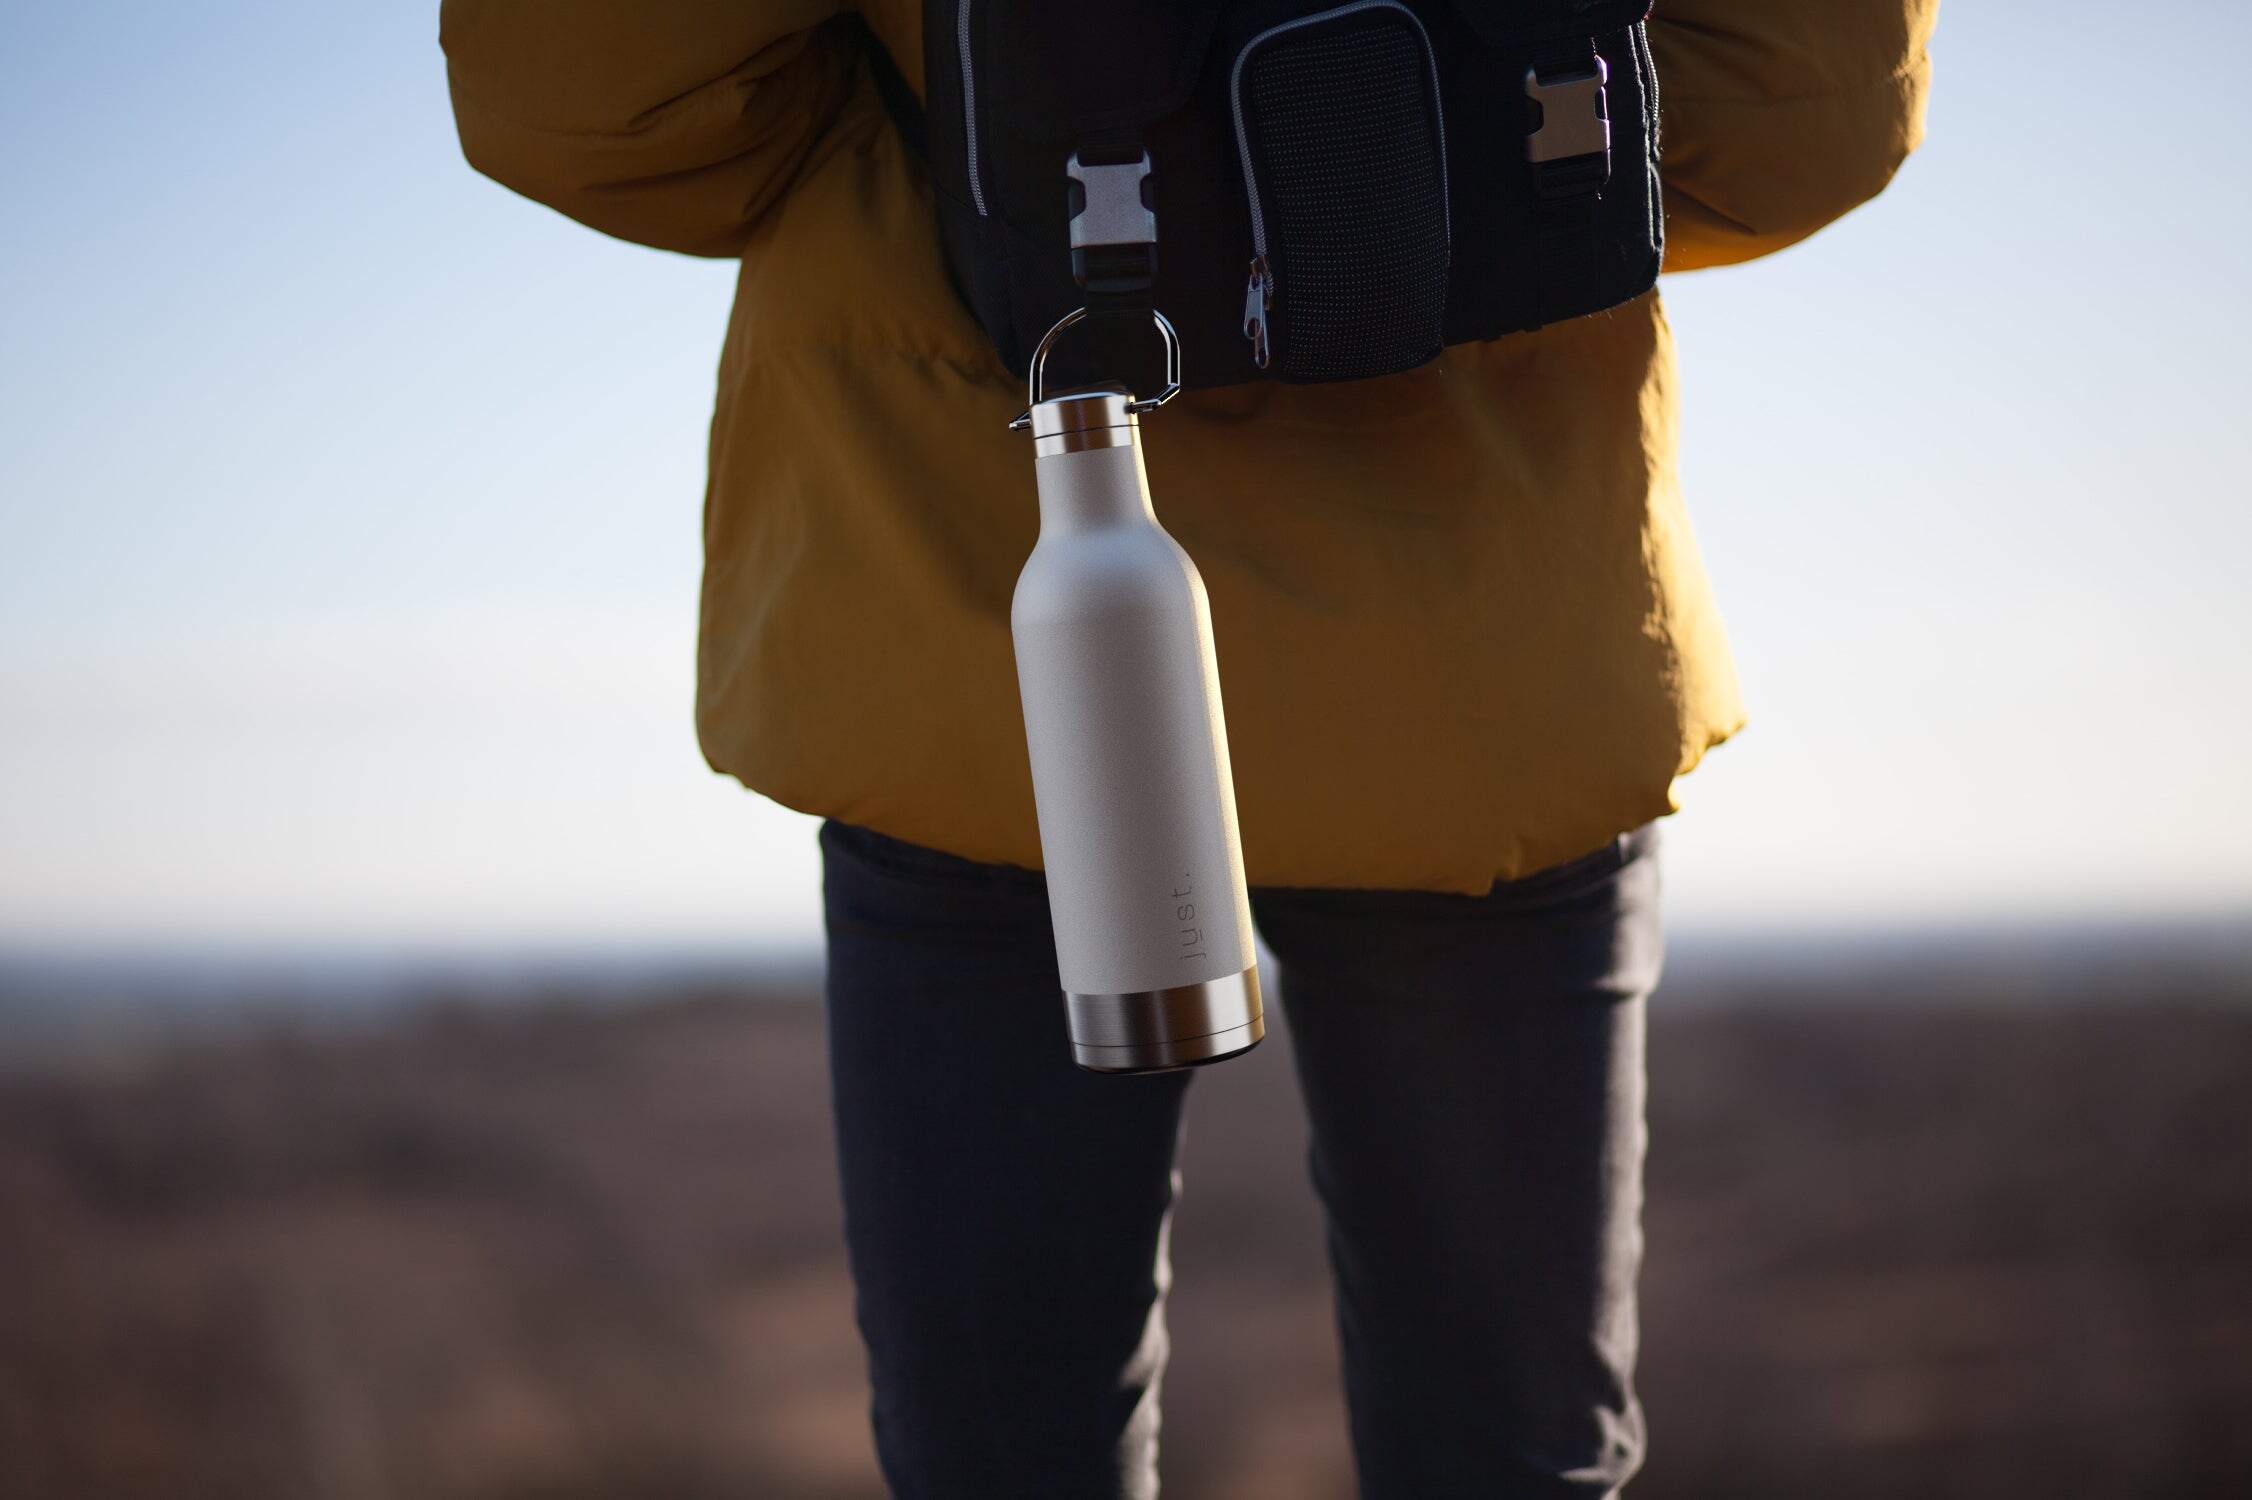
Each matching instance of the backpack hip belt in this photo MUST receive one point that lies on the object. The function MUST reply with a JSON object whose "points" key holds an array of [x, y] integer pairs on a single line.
{"points": [[1309, 191]]}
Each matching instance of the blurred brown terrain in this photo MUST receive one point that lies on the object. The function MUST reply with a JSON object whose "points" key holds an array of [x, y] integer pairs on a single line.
{"points": [[1911, 1235]]}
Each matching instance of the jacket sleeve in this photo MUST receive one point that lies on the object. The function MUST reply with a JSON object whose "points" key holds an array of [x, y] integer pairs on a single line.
{"points": [[673, 123], [1778, 116]]}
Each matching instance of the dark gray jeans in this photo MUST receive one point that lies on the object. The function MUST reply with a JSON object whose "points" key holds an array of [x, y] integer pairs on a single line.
{"points": [[1472, 1070]]}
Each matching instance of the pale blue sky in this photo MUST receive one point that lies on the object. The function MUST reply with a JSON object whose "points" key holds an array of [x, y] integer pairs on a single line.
{"points": [[348, 509]]}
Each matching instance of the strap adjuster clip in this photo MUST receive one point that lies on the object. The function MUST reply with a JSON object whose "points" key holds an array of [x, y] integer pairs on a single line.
{"points": [[1568, 135], [1113, 225]]}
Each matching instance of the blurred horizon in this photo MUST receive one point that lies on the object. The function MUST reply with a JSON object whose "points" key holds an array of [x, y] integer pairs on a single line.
{"points": [[61, 1004], [351, 505]]}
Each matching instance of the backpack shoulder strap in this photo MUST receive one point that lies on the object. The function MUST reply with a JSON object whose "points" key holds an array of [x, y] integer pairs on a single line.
{"points": [[900, 103]]}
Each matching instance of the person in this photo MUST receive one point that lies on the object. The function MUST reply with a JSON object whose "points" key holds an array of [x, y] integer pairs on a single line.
{"points": [[1468, 649]]}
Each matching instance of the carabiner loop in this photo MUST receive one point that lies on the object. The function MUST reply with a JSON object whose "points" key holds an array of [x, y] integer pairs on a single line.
{"points": [[1139, 404]]}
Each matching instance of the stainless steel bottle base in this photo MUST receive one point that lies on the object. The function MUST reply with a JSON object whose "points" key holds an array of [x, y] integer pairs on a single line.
{"points": [[1149, 1031]]}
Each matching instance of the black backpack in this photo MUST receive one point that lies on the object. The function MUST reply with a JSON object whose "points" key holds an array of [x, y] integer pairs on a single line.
{"points": [[1307, 191]]}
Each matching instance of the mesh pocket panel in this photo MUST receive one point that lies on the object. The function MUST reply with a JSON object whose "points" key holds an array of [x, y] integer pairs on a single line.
{"points": [[1350, 178]]}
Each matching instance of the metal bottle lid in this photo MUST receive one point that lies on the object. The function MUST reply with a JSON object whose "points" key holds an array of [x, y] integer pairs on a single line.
{"points": [[1098, 417]]}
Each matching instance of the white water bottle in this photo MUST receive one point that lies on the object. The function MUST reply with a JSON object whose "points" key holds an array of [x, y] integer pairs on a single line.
{"points": [[1130, 769]]}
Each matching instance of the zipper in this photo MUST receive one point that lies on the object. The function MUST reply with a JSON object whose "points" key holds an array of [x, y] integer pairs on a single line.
{"points": [[1258, 298], [969, 101], [1259, 293]]}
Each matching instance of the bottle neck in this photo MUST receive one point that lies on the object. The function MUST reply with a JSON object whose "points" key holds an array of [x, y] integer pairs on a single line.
{"points": [[1094, 488]]}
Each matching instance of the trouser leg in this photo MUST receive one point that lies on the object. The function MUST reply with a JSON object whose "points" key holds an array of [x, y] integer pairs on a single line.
{"points": [[1473, 1072], [1005, 1212]]}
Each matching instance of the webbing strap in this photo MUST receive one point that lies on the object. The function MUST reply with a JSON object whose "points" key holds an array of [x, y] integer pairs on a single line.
{"points": [[1114, 248], [900, 103]]}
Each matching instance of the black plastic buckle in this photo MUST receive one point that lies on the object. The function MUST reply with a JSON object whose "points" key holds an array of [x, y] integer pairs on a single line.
{"points": [[1113, 225], [1568, 129]]}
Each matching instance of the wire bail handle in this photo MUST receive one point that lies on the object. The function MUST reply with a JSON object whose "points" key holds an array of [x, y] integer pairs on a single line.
{"points": [[1138, 404]]}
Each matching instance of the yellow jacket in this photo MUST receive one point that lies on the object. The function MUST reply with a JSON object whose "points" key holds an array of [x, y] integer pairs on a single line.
{"points": [[1463, 628]]}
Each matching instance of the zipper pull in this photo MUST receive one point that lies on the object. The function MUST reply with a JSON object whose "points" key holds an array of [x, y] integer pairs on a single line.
{"points": [[1257, 298]]}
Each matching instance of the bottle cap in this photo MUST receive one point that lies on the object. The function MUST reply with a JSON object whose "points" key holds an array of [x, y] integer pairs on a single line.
{"points": [[1088, 410], [1098, 417]]}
